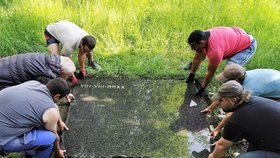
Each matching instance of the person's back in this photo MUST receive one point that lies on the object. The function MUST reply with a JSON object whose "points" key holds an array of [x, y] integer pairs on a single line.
{"points": [[227, 40], [219, 43], [24, 67], [68, 33], [263, 82], [258, 122], [22, 108], [72, 37]]}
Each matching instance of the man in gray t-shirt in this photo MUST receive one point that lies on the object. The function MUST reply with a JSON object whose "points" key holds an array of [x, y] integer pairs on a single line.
{"points": [[29, 121]]}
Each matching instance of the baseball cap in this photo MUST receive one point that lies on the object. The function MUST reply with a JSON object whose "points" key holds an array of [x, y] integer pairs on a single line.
{"points": [[229, 89], [197, 35], [231, 72]]}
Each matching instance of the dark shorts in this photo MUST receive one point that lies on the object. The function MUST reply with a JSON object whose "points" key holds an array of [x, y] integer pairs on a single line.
{"points": [[49, 38]]}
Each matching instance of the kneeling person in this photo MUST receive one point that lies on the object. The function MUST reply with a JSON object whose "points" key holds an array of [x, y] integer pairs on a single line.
{"points": [[248, 122], [261, 82], [29, 121]]}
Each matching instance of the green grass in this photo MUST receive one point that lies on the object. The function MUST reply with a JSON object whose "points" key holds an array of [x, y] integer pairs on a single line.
{"points": [[141, 38]]}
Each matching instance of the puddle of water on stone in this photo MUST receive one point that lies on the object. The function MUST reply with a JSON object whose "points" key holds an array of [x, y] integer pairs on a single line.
{"points": [[153, 118]]}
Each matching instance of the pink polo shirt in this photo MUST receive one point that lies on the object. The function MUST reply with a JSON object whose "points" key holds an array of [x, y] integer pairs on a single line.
{"points": [[225, 42]]}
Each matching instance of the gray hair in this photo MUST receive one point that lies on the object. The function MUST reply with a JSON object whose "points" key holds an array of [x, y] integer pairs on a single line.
{"points": [[67, 65]]}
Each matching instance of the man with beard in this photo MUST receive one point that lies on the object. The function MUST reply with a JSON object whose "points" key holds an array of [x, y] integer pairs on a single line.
{"points": [[261, 82], [248, 122]]}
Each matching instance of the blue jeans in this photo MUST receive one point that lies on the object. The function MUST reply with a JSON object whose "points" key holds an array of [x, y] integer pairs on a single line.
{"points": [[259, 154], [36, 143], [243, 57]]}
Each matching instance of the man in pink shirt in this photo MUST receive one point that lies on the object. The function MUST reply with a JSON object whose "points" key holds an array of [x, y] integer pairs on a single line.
{"points": [[219, 43]]}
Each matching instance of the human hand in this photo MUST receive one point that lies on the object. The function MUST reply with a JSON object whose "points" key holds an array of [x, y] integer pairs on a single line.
{"points": [[190, 78], [82, 74], [62, 126], [207, 110], [200, 92], [70, 97], [60, 153]]}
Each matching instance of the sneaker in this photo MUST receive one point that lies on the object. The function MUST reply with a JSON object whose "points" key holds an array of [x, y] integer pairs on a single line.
{"points": [[187, 67]]}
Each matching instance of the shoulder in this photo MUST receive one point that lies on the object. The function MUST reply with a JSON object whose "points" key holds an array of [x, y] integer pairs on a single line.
{"points": [[38, 92], [51, 115]]}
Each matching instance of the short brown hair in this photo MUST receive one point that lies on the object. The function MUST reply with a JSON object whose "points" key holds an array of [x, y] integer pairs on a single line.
{"points": [[58, 86], [89, 41]]}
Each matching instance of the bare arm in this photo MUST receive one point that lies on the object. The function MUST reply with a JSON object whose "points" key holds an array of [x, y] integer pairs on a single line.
{"points": [[221, 124], [82, 60], [69, 97], [89, 56], [210, 73], [60, 123], [221, 148], [211, 107], [51, 118], [197, 59]]}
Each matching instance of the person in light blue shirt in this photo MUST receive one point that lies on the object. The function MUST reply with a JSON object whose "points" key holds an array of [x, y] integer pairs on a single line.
{"points": [[261, 82]]}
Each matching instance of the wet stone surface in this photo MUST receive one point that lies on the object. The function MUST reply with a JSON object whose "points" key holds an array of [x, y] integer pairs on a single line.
{"points": [[136, 118]]}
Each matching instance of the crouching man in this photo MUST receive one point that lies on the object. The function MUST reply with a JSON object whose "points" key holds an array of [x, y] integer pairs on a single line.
{"points": [[42, 67], [255, 119], [29, 118]]}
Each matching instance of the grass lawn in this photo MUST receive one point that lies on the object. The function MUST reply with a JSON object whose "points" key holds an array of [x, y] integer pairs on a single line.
{"points": [[142, 38]]}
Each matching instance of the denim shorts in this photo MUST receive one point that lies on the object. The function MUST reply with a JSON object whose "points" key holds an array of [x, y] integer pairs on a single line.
{"points": [[49, 38], [40, 141], [244, 56]]}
